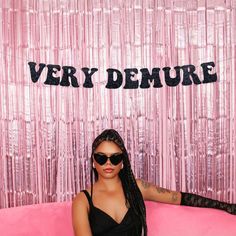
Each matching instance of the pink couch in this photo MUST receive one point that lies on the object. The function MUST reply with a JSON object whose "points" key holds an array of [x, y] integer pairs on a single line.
{"points": [[54, 219]]}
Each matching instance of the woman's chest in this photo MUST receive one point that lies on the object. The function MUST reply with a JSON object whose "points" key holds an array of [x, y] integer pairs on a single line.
{"points": [[112, 204]]}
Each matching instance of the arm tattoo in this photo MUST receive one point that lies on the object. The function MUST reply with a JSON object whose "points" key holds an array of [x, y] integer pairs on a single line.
{"points": [[145, 184], [162, 190], [174, 195]]}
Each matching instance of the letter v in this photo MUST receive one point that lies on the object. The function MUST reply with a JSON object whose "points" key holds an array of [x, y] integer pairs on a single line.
{"points": [[35, 74]]}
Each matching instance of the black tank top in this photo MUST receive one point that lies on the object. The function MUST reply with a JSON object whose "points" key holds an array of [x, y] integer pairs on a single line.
{"points": [[103, 224]]}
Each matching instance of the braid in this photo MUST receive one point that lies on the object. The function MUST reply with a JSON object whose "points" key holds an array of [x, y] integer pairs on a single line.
{"points": [[132, 193]]}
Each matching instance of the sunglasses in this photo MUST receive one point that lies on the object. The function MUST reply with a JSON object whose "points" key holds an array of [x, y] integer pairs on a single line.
{"points": [[101, 159]]}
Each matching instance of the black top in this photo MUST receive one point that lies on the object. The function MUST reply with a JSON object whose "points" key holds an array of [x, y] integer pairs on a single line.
{"points": [[103, 224]]}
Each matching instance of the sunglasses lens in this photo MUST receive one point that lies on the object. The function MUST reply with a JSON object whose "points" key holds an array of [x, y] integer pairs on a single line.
{"points": [[100, 159], [116, 159]]}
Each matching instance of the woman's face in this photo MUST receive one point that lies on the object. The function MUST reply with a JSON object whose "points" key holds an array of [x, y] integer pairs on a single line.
{"points": [[108, 170]]}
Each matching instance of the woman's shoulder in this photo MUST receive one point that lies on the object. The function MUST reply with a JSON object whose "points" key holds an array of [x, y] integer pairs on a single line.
{"points": [[140, 183], [80, 200], [80, 215]]}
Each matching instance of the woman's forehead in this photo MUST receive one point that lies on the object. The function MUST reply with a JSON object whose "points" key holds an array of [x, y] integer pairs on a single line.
{"points": [[108, 147]]}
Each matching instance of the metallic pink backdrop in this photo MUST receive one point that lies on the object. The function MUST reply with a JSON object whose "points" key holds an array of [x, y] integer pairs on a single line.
{"points": [[180, 138]]}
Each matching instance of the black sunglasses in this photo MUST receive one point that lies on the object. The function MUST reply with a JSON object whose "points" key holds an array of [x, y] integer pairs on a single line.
{"points": [[101, 159]]}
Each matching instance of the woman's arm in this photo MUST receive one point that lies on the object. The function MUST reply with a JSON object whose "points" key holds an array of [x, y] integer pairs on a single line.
{"points": [[151, 192], [80, 219]]}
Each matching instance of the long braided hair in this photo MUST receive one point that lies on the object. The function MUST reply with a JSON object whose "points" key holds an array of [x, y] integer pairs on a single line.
{"points": [[132, 193]]}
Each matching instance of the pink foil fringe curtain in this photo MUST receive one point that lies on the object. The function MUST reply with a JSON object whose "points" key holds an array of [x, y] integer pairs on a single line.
{"points": [[181, 138]]}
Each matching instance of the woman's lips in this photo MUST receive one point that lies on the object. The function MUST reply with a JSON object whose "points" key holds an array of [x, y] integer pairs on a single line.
{"points": [[108, 170]]}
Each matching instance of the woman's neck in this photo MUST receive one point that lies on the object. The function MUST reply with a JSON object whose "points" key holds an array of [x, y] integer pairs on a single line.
{"points": [[108, 184]]}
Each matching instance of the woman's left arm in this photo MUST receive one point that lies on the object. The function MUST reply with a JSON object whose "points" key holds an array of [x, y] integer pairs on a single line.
{"points": [[150, 192]]}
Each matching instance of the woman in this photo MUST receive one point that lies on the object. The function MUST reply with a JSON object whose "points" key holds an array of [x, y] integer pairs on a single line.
{"points": [[114, 204]]}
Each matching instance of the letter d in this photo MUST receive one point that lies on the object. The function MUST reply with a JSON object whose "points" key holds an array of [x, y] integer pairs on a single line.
{"points": [[111, 83]]}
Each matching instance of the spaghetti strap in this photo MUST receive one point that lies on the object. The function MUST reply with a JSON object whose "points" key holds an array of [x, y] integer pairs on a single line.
{"points": [[88, 197]]}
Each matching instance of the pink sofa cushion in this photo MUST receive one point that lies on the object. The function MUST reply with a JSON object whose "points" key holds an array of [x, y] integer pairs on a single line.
{"points": [[54, 219]]}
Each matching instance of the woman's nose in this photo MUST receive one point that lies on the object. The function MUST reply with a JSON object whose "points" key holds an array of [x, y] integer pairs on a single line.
{"points": [[108, 161]]}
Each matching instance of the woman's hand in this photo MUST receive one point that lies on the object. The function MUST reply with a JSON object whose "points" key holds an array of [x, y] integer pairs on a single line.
{"points": [[150, 192]]}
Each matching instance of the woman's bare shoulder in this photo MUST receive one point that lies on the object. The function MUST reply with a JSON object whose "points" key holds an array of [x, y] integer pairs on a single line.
{"points": [[80, 211], [142, 184], [80, 200]]}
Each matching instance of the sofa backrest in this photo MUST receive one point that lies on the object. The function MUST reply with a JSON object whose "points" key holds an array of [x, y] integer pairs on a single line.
{"points": [[173, 220], [48, 219], [54, 219]]}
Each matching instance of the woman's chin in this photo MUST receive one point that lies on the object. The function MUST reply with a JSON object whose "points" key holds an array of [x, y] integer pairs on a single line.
{"points": [[109, 175]]}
